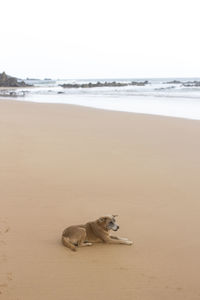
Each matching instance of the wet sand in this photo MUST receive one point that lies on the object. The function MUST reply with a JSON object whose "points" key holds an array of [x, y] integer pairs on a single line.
{"points": [[63, 165]]}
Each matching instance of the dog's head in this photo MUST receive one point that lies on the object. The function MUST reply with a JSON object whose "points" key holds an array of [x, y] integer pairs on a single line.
{"points": [[108, 222]]}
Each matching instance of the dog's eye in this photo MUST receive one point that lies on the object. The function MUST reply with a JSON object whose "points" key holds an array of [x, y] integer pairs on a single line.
{"points": [[111, 223]]}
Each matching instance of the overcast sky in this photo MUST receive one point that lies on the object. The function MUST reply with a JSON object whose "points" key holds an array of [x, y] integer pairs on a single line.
{"points": [[100, 39]]}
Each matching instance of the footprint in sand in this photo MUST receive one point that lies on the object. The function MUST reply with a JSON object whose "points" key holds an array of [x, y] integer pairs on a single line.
{"points": [[6, 229], [2, 287], [9, 276], [5, 285]]}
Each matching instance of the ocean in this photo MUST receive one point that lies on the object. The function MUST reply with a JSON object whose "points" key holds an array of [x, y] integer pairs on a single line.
{"points": [[174, 97]]}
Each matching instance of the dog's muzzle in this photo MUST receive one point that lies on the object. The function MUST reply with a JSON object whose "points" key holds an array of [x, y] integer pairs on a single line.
{"points": [[115, 227]]}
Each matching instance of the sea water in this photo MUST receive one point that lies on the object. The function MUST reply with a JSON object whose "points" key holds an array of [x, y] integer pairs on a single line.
{"points": [[159, 97]]}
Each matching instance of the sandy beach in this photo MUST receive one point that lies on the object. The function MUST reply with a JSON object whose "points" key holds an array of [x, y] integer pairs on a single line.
{"points": [[62, 165]]}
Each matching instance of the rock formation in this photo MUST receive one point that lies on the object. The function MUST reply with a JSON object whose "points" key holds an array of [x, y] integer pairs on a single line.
{"points": [[186, 83], [173, 82], [192, 84], [9, 81], [103, 84]]}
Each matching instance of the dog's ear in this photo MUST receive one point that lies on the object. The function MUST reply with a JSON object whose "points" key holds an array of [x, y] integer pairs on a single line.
{"points": [[115, 216], [101, 220]]}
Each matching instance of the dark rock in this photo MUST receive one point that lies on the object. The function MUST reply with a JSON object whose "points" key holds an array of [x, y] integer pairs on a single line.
{"points": [[165, 89], [139, 83], [12, 93], [103, 84], [34, 79], [186, 84], [8, 81], [173, 82], [192, 84]]}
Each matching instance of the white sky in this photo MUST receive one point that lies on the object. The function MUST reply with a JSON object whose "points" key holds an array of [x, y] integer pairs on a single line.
{"points": [[99, 39]]}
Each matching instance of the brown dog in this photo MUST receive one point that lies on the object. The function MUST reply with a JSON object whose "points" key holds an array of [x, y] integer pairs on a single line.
{"points": [[92, 232]]}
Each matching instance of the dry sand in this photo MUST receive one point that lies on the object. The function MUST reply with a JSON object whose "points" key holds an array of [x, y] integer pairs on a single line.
{"points": [[63, 165]]}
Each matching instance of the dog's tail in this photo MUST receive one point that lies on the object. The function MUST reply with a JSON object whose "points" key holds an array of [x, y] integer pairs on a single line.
{"points": [[66, 242]]}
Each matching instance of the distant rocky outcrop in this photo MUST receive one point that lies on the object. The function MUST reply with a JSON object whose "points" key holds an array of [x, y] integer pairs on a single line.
{"points": [[9, 81], [192, 84], [185, 83], [173, 82], [103, 84]]}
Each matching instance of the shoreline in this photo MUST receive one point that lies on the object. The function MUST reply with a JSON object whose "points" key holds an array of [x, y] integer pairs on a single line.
{"points": [[7, 99], [65, 165]]}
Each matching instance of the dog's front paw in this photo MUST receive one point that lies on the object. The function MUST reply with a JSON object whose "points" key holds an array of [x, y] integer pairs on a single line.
{"points": [[88, 244], [129, 243]]}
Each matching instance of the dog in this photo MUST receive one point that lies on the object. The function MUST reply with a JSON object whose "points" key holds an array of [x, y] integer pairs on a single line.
{"points": [[92, 232]]}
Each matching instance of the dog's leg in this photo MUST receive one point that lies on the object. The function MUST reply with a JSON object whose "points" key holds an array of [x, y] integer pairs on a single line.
{"points": [[82, 241], [67, 243], [85, 244], [118, 238], [117, 241]]}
